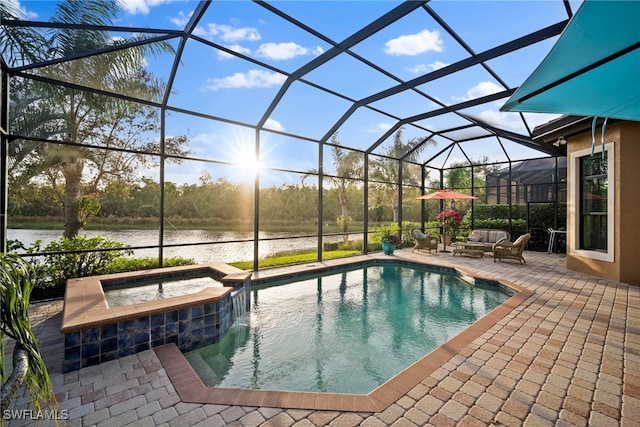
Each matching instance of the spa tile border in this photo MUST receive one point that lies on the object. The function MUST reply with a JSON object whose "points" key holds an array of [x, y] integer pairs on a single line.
{"points": [[191, 389]]}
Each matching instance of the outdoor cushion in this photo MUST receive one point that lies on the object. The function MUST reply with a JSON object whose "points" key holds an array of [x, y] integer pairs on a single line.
{"points": [[474, 237]]}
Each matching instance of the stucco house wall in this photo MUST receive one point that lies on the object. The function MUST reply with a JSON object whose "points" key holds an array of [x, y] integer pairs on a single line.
{"points": [[624, 265]]}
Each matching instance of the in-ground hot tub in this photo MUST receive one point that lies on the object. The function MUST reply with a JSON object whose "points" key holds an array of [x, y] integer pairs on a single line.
{"points": [[94, 332]]}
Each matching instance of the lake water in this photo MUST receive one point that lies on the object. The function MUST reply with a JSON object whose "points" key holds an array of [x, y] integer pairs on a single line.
{"points": [[220, 251]]}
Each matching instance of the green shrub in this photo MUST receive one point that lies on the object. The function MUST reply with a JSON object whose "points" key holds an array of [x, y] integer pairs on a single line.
{"points": [[83, 256], [123, 264], [78, 256], [481, 212]]}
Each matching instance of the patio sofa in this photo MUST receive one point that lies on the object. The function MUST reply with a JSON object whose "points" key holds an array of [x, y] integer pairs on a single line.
{"points": [[488, 237]]}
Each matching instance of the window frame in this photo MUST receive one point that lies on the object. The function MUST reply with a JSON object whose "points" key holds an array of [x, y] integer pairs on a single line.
{"points": [[575, 208]]}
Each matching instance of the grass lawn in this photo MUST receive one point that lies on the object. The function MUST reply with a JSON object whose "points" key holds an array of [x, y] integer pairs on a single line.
{"points": [[293, 259]]}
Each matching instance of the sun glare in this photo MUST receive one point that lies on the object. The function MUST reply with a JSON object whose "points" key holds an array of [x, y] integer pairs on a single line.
{"points": [[247, 159], [242, 154]]}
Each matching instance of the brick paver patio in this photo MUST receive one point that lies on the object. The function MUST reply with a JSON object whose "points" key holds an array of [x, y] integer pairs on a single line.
{"points": [[569, 355]]}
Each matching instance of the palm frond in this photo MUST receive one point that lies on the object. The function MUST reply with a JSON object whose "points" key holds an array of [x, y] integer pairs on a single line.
{"points": [[19, 45], [16, 283]]}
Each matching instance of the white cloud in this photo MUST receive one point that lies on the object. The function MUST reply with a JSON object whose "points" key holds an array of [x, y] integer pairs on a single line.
{"points": [[273, 125], [228, 33], [15, 5], [425, 68], [480, 90], [236, 48], [502, 120], [414, 44], [379, 127], [251, 79], [134, 7], [283, 51], [182, 20], [484, 89]]}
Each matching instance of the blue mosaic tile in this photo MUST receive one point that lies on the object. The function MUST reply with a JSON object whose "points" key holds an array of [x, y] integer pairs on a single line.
{"points": [[142, 347], [197, 324], [197, 312], [171, 339], [196, 335], [72, 339], [210, 308], [157, 332], [209, 339], [171, 317], [189, 346], [72, 354], [184, 326], [184, 314], [90, 335], [90, 350], [210, 331], [141, 324], [125, 326], [108, 345], [157, 342], [157, 320], [210, 319], [126, 351], [171, 329], [94, 360], [183, 341], [142, 337], [109, 331], [110, 355], [125, 340]]}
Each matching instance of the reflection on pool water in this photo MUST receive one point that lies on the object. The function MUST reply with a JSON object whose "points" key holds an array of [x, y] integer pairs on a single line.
{"points": [[347, 331], [154, 288]]}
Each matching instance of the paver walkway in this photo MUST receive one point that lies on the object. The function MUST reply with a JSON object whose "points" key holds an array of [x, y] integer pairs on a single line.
{"points": [[569, 355]]}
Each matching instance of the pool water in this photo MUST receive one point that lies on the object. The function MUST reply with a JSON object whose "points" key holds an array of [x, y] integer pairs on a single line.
{"points": [[153, 289], [343, 332]]}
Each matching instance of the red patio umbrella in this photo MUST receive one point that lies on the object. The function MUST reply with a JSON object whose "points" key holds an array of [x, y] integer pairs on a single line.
{"points": [[445, 194]]}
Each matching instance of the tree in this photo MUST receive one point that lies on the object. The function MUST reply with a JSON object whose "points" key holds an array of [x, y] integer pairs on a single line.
{"points": [[20, 45], [387, 168], [80, 119], [348, 166]]}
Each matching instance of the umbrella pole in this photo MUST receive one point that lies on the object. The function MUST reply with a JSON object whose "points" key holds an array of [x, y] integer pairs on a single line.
{"points": [[444, 242]]}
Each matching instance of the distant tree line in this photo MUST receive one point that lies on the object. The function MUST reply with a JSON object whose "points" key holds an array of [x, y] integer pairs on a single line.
{"points": [[220, 200]]}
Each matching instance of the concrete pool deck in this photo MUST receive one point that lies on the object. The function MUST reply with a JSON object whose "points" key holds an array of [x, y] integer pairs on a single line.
{"points": [[568, 355]]}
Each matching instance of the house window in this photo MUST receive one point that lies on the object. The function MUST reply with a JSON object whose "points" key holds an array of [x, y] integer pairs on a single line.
{"points": [[593, 202]]}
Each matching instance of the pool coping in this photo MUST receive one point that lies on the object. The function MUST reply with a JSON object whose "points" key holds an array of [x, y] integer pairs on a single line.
{"points": [[191, 389]]}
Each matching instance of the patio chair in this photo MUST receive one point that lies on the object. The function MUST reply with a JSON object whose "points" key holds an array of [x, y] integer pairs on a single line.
{"points": [[511, 250], [423, 241]]}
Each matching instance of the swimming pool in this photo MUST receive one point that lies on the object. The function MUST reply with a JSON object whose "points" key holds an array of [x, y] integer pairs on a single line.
{"points": [[344, 331]]}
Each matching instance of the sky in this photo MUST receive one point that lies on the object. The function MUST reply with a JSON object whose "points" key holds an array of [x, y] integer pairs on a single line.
{"points": [[214, 82]]}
